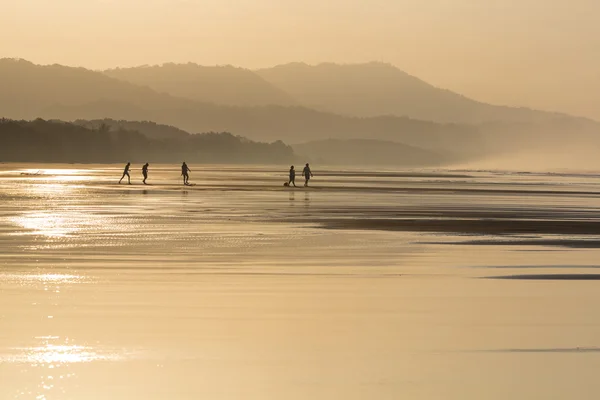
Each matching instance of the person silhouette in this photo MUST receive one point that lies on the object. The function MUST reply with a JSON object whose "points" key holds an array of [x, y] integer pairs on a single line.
{"points": [[126, 173], [292, 180], [307, 174], [145, 172], [185, 173]]}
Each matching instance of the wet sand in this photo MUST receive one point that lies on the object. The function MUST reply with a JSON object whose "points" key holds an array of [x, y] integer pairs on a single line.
{"points": [[384, 284]]}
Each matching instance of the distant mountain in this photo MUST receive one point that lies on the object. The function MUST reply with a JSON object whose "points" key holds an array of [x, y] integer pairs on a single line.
{"points": [[369, 152], [376, 89], [224, 85], [359, 90], [28, 91]]}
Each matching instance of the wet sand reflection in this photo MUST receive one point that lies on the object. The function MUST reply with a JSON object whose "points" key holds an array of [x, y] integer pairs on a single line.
{"points": [[233, 288]]}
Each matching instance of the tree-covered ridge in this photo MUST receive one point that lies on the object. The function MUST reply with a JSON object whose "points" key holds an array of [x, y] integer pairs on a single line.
{"points": [[150, 129], [56, 141]]}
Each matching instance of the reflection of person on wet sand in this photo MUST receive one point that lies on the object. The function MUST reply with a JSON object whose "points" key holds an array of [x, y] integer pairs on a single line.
{"points": [[145, 172], [185, 173], [307, 174], [292, 180], [126, 173]]}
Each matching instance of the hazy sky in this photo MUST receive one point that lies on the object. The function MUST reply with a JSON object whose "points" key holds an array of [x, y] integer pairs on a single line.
{"points": [[538, 53]]}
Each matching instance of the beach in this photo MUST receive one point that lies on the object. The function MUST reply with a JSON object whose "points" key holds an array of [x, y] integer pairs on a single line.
{"points": [[368, 284]]}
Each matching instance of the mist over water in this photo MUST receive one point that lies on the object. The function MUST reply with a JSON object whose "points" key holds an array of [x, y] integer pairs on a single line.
{"points": [[558, 158]]}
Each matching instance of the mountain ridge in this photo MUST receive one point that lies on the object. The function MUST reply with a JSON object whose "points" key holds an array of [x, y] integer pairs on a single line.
{"points": [[416, 106], [226, 85], [67, 93], [375, 88]]}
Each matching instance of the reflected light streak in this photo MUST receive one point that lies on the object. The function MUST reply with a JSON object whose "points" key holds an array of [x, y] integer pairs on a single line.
{"points": [[53, 359], [59, 354], [46, 281], [59, 223], [52, 355], [46, 224], [56, 172]]}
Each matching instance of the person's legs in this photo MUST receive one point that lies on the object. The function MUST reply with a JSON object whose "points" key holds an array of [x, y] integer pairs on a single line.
{"points": [[145, 177], [121, 178], [128, 178]]}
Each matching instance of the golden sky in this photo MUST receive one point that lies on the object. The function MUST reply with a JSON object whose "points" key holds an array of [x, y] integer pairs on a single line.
{"points": [[538, 53]]}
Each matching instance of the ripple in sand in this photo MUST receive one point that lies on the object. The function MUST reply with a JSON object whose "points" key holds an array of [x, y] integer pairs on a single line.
{"points": [[540, 266], [568, 243], [550, 277], [548, 350]]}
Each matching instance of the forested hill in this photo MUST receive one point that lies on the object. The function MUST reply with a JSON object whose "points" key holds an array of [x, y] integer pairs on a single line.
{"points": [[56, 141], [150, 129]]}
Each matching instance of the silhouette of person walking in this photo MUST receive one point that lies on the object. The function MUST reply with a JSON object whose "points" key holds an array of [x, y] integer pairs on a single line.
{"points": [[292, 180], [145, 172], [307, 174], [185, 173], [126, 173]]}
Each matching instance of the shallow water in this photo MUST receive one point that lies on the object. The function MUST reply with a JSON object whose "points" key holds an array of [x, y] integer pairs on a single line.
{"points": [[237, 287]]}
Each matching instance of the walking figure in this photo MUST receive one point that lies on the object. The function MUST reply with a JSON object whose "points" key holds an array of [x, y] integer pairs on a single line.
{"points": [[185, 173], [307, 174], [126, 173], [292, 180], [145, 172]]}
